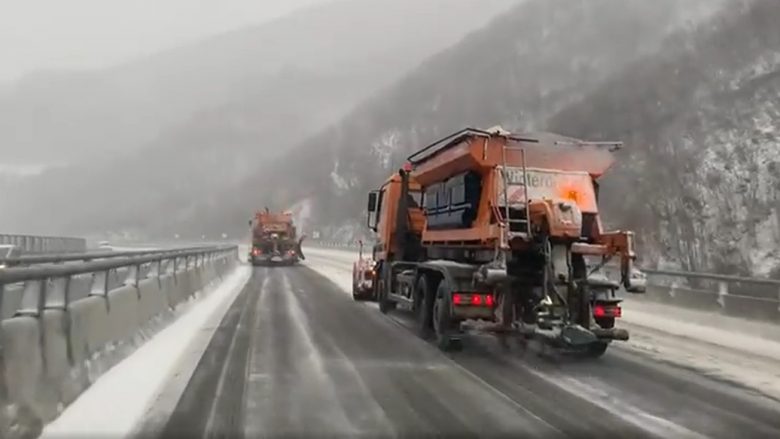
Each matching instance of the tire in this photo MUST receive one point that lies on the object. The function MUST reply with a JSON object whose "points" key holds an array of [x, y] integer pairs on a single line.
{"points": [[597, 349], [424, 300], [443, 324], [385, 304], [355, 295]]}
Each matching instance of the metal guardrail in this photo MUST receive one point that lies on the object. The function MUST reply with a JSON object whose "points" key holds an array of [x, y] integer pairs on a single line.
{"points": [[753, 298], [88, 256], [47, 286], [45, 244]]}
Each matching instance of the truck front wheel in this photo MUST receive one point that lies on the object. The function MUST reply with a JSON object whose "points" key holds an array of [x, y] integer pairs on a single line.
{"points": [[385, 304]]}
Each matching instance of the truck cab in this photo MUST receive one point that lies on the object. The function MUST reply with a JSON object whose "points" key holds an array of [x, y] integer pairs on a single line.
{"points": [[384, 206]]}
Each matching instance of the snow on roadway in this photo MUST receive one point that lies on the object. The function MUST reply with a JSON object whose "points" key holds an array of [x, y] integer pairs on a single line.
{"points": [[118, 400], [735, 350]]}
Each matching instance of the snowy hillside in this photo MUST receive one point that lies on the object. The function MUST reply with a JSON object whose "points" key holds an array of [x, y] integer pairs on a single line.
{"points": [[701, 122], [525, 66]]}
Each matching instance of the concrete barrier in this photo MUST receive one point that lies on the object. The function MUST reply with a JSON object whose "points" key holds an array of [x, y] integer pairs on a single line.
{"points": [[11, 300], [56, 364], [123, 313], [182, 288], [754, 308], [170, 289], [23, 364], [48, 359], [695, 299], [81, 315], [152, 302]]}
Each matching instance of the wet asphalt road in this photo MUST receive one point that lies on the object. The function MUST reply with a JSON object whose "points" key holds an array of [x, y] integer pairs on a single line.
{"points": [[296, 357]]}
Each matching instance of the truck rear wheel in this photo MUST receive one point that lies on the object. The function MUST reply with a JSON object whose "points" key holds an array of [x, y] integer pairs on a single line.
{"points": [[423, 308], [597, 349], [444, 325]]}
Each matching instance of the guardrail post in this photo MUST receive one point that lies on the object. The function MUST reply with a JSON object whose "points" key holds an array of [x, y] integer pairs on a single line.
{"points": [[134, 272], [58, 296], [100, 286], [156, 271], [33, 298], [175, 268], [723, 291]]}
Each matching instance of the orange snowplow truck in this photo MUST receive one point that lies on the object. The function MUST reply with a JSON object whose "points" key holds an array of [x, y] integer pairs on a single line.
{"points": [[499, 229], [274, 240]]}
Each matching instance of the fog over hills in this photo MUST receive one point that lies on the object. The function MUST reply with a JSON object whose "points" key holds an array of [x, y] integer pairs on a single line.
{"points": [[167, 130], [65, 117]]}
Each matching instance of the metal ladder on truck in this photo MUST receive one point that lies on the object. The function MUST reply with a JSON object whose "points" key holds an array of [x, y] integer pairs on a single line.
{"points": [[508, 221]]}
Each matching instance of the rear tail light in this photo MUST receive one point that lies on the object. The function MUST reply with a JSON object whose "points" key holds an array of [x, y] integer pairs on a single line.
{"points": [[473, 299], [603, 310]]}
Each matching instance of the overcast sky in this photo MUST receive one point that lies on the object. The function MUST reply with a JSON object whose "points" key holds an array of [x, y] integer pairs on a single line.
{"points": [[72, 34]]}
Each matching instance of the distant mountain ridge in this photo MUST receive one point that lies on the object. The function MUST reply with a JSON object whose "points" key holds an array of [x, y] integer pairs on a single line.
{"points": [[72, 116]]}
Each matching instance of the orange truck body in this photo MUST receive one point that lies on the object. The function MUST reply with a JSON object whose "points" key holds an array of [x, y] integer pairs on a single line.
{"points": [[481, 212]]}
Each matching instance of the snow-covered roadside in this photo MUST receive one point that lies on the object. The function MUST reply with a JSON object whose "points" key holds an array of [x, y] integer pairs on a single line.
{"points": [[723, 347], [118, 400]]}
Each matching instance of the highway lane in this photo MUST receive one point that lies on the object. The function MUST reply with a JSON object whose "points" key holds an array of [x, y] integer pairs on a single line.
{"points": [[295, 356]]}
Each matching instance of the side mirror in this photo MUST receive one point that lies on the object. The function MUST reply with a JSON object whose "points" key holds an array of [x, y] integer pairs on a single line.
{"points": [[372, 199]]}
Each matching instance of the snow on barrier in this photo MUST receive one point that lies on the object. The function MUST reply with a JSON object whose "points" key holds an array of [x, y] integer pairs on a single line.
{"points": [[747, 298], [45, 244], [54, 346]]}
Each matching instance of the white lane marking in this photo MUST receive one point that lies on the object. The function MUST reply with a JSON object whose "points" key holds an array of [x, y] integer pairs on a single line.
{"points": [[663, 428], [230, 355], [338, 417]]}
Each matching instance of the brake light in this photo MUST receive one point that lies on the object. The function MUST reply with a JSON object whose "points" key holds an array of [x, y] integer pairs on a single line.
{"points": [[473, 299], [255, 252], [601, 310]]}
